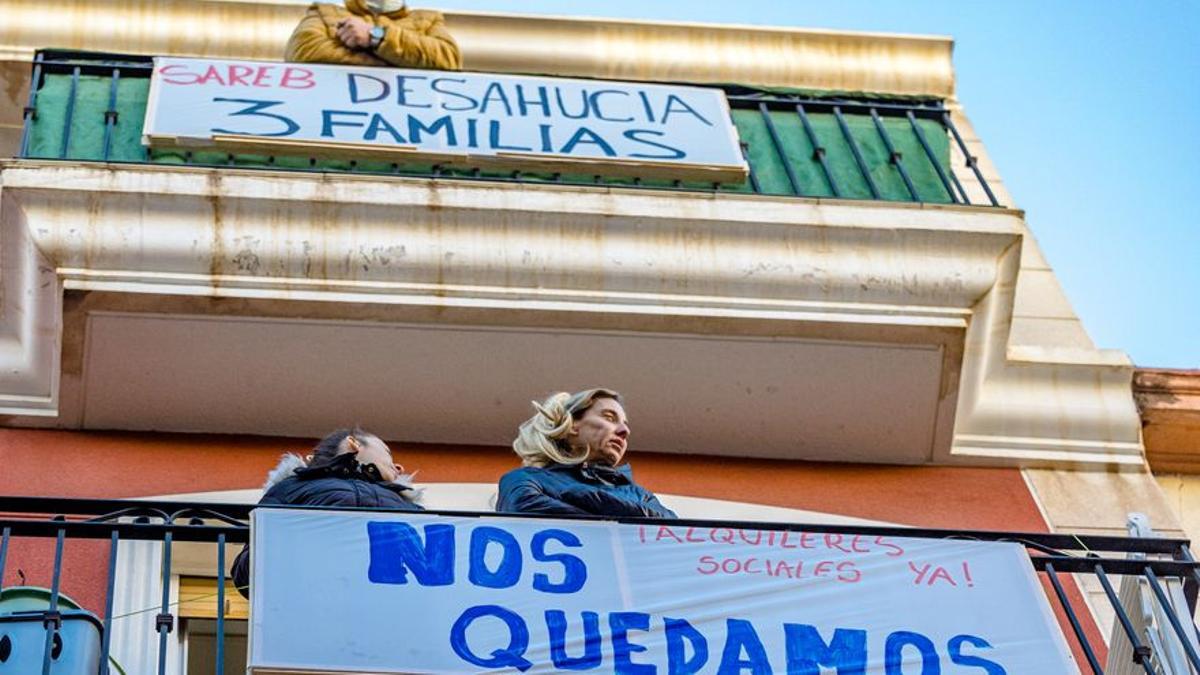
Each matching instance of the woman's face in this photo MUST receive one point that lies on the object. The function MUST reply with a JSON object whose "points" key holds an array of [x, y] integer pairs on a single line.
{"points": [[374, 451], [603, 430]]}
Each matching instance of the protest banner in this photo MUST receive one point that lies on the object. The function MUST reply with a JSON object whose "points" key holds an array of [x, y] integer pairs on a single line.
{"points": [[455, 119], [338, 592]]}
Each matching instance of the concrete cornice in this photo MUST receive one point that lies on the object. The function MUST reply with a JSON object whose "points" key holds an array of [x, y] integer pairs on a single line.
{"points": [[1169, 401], [192, 228], [1171, 382], [731, 262], [492, 42]]}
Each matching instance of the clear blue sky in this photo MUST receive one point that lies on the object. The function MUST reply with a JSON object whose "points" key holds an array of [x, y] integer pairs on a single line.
{"points": [[1091, 111]]}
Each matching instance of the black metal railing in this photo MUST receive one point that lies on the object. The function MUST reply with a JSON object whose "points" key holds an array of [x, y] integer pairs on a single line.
{"points": [[800, 145], [71, 521]]}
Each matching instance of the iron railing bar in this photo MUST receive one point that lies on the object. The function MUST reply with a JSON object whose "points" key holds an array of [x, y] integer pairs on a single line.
{"points": [[1060, 542], [742, 102], [750, 165], [1172, 617], [100, 507], [937, 166], [204, 513], [777, 145], [70, 115], [818, 150], [164, 621], [52, 620], [91, 64], [972, 161], [894, 157], [30, 113], [62, 61], [1049, 551], [1074, 620], [962, 192], [106, 639], [1191, 587], [134, 531], [862, 163], [220, 604], [110, 115], [1121, 566], [492, 179], [4, 552], [155, 532], [1141, 653], [130, 512]]}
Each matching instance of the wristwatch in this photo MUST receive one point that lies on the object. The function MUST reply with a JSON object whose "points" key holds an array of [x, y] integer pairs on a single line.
{"points": [[377, 34]]}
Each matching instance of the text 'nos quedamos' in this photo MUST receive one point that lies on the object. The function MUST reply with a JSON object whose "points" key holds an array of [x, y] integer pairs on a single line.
{"points": [[552, 563]]}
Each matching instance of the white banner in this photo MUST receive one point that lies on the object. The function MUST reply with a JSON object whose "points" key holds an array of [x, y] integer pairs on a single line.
{"points": [[467, 119], [342, 592]]}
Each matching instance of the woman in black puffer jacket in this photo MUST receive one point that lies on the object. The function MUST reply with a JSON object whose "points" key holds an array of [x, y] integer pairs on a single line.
{"points": [[349, 467]]}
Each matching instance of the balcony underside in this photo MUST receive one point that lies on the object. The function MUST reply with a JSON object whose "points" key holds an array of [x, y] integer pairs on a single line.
{"points": [[272, 303]]}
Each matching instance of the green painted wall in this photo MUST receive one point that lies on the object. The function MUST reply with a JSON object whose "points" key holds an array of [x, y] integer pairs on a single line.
{"points": [[86, 142]]}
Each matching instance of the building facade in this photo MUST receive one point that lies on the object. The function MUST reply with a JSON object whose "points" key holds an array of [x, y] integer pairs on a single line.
{"points": [[863, 331]]}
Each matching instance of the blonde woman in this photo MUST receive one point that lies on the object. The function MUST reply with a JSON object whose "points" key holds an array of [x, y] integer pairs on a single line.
{"points": [[572, 450]]}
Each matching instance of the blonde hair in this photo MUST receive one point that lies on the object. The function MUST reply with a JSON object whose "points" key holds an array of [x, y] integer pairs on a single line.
{"points": [[542, 439]]}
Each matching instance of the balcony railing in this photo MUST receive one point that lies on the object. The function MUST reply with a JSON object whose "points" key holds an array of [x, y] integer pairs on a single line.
{"points": [[90, 107], [1164, 566]]}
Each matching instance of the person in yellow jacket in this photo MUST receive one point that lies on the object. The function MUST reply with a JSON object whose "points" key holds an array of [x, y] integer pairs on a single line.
{"points": [[374, 33]]}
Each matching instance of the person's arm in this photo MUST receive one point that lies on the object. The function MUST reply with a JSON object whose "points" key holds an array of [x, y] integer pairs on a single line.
{"points": [[240, 570], [313, 42], [601, 503], [653, 507], [525, 495], [433, 48]]}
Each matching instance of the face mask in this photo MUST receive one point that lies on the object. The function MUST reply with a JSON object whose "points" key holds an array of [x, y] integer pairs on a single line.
{"points": [[384, 6]]}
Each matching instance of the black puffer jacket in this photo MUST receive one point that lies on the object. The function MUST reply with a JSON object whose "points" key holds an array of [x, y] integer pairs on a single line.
{"points": [[342, 483], [596, 490]]}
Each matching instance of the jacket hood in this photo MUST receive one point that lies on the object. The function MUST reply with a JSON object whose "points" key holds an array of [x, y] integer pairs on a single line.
{"points": [[363, 8], [291, 462]]}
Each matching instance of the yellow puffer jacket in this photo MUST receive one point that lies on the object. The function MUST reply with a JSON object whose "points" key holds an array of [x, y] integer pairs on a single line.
{"points": [[415, 38]]}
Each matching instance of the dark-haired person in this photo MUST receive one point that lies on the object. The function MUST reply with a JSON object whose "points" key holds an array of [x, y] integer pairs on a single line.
{"points": [[573, 451], [347, 468], [374, 33]]}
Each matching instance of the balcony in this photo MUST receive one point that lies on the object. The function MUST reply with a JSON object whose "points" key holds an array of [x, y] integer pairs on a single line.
{"points": [[914, 311], [89, 108], [111, 555]]}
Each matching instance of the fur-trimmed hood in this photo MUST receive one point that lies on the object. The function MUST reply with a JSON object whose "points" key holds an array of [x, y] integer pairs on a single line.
{"points": [[290, 463]]}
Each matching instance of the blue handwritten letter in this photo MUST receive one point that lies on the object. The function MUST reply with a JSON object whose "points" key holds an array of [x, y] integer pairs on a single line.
{"points": [[396, 550], [807, 653]]}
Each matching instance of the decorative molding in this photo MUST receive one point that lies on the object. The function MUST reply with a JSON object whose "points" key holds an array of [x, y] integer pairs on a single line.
{"points": [[30, 320], [1038, 406], [511, 43], [726, 264]]}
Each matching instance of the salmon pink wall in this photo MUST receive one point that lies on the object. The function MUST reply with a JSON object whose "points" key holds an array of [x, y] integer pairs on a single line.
{"points": [[119, 465]]}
